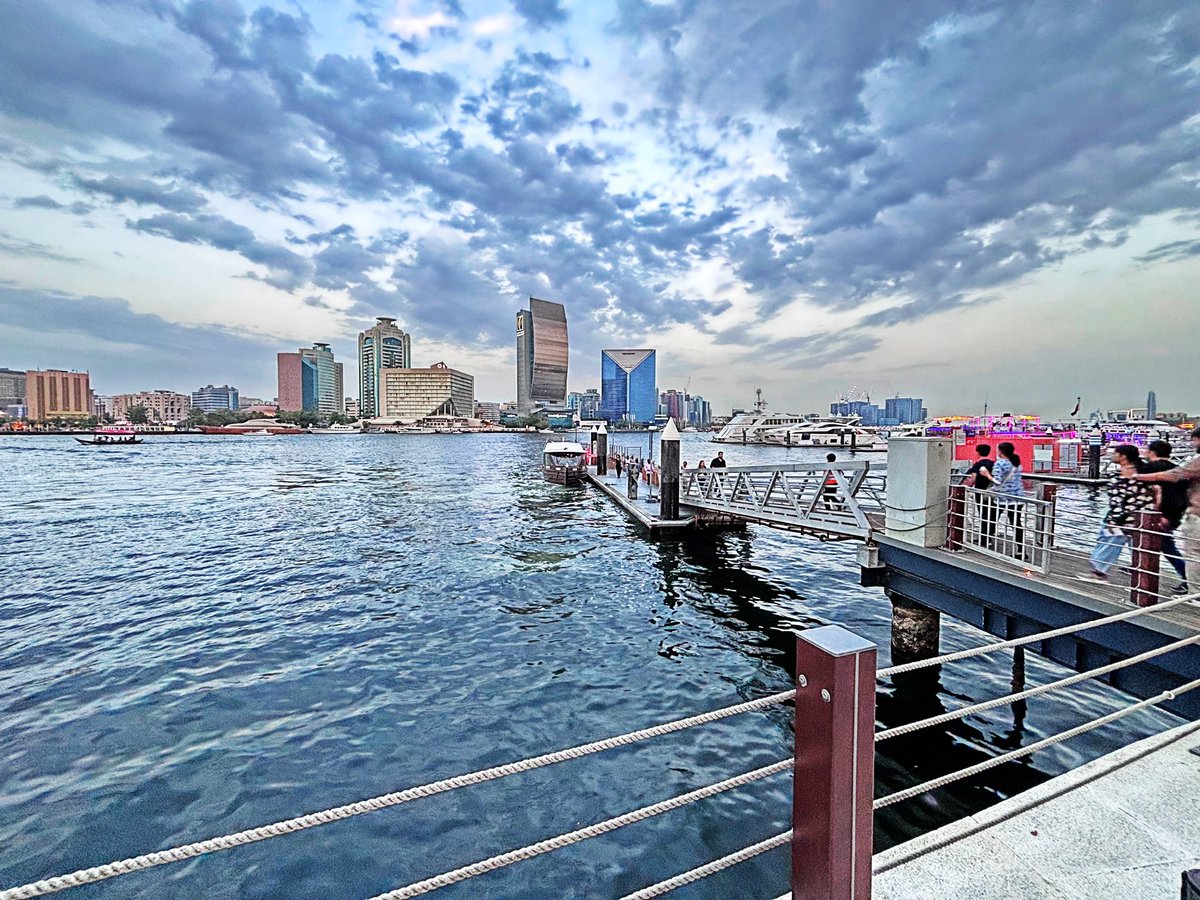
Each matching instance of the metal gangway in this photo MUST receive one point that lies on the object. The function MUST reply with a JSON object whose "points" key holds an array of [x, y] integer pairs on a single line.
{"points": [[830, 500]]}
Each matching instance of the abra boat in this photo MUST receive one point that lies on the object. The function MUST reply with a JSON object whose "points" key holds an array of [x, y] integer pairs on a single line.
{"points": [[111, 437], [337, 429], [563, 463]]}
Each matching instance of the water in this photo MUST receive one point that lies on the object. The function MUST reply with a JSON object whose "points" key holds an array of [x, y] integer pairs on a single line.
{"points": [[200, 635]]}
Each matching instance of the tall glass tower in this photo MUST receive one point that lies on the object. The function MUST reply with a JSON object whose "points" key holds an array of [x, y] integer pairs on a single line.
{"points": [[383, 346], [627, 386], [329, 378], [542, 353]]}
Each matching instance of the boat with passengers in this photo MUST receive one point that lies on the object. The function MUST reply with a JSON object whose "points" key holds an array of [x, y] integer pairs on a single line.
{"points": [[111, 437]]}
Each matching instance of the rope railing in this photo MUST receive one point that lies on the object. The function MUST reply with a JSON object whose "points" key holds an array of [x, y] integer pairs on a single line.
{"points": [[965, 711], [717, 865], [1033, 638], [942, 781], [288, 826], [573, 837]]}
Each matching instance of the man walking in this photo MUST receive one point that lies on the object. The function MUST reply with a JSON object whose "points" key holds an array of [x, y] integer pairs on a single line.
{"points": [[1187, 535], [1172, 506], [719, 462]]}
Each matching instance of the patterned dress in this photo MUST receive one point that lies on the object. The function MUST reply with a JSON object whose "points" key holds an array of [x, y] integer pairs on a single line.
{"points": [[1126, 498]]}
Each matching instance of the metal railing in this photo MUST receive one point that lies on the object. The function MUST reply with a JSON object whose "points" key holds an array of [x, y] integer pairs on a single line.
{"points": [[843, 500], [1018, 528]]}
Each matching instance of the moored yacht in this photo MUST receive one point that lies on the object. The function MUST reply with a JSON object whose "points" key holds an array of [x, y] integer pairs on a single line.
{"points": [[339, 428], [750, 428], [836, 431]]}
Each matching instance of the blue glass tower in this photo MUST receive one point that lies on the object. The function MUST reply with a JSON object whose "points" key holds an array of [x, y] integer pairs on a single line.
{"points": [[628, 388], [309, 384]]}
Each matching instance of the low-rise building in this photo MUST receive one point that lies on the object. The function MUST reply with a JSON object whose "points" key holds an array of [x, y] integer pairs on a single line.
{"points": [[412, 394], [163, 407], [487, 412], [211, 398], [353, 410]]}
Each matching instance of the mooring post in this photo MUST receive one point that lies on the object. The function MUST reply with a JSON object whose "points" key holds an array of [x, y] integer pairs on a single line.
{"points": [[668, 489], [834, 782], [631, 487], [602, 451], [956, 521], [1094, 442], [1147, 546]]}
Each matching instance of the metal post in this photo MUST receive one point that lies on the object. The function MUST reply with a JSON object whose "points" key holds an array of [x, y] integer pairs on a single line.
{"points": [[834, 782], [602, 451], [1147, 547], [668, 490], [956, 521], [1094, 457], [650, 441], [1043, 536]]}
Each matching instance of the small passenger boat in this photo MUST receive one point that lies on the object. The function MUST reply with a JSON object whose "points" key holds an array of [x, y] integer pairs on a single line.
{"points": [[563, 463], [111, 437]]}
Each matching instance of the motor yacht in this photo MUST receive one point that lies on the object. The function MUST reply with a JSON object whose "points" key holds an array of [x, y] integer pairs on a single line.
{"points": [[836, 431]]}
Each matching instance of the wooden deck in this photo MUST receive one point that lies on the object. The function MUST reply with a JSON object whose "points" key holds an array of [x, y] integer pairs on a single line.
{"points": [[643, 511]]}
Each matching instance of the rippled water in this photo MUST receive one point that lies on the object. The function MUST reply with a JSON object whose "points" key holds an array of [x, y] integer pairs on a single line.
{"points": [[200, 635]]}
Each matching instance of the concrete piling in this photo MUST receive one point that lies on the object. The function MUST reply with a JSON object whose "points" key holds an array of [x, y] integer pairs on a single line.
{"points": [[916, 630], [669, 475]]}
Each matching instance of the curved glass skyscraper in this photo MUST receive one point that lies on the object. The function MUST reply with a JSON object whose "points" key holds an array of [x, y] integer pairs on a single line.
{"points": [[627, 386], [384, 346], [541, 355]]}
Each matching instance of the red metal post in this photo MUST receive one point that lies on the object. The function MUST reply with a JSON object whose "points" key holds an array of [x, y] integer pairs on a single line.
{"points": [[834, 785], [1147, 547], [956, 519]]}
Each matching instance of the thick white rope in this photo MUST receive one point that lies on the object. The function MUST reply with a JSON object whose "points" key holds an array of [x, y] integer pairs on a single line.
{"points": [[573, 837], [1032, 692], [717, 865], [229, 841], [944, 780], [1042, 636]]}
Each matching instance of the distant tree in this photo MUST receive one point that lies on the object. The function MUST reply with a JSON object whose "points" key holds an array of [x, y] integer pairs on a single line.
{"points": [[138, 414], [107, 419], [195, 416], [304, 418]]}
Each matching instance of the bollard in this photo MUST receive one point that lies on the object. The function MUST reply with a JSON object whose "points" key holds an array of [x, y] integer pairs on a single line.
{"points": [[602, 451], [669, 476], [1043, 534], [1147, 547], [1094, 459], [834, 783], [631, 487], [956, 521]]}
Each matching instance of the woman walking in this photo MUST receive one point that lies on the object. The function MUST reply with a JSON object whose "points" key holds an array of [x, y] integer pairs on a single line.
{"points": [[1126, 497], [1006, 487]]}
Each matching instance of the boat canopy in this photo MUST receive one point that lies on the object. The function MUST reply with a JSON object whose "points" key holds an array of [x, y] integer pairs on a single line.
{"points": [[563, 448]]}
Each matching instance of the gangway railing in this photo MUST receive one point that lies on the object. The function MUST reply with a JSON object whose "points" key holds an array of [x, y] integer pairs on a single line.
{"points": [[830, 500]]}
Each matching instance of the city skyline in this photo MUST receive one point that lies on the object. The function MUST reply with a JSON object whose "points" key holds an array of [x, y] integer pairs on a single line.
{"points": [[964, 205]]}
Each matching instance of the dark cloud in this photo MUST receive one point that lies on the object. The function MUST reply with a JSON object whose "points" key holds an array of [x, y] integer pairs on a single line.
{"points": [[541, 13], [288, 269], [1171, 252], [143, 192], [41, 201]]}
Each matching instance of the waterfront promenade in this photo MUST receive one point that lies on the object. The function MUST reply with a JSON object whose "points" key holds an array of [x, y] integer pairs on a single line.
{"points": [[1123, 825]]}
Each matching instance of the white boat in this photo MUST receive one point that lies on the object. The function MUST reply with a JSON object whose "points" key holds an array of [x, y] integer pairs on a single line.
{"points": [[563, 463], [413, 429], [337, 429], [836, 431], [749, 428], [261, 432]]}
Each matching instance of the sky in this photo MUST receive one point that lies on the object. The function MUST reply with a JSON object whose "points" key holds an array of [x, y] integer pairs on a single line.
{"points": [[968, 202]]}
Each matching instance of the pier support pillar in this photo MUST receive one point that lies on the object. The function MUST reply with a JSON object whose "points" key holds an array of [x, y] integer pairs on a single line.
{"points": [[916, 630], [602, 451], [668, 490], [834, 783], [918, 489]]}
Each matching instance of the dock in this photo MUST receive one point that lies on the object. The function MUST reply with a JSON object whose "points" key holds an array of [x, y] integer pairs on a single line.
{"points": [[643, 510], [1123, 825]]}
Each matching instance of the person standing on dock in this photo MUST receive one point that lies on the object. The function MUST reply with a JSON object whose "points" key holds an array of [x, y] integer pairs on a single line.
{"points": [[1126, 497], [1006, 475], [979, 477], [830, 490], [1173, 503], [618, 462], [719, 462], [1187, 535]]}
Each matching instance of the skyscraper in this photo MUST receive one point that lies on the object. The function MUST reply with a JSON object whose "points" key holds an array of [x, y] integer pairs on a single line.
{"points": [[329, 378], [627, 388], [542, 352], [383, 346], [297, 382], [1152, 405]]}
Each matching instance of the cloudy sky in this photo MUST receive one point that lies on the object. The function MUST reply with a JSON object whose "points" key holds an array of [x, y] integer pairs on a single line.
{"points": [[951, 200]]}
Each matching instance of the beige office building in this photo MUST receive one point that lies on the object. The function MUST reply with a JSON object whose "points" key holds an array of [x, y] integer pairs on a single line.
{"points": [[164, 407], [412, 394], [55, 394]]}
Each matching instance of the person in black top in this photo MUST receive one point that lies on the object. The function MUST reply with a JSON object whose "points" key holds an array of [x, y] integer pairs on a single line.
{"points": [[719, 462], [1173, 505], [979, 476]]}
